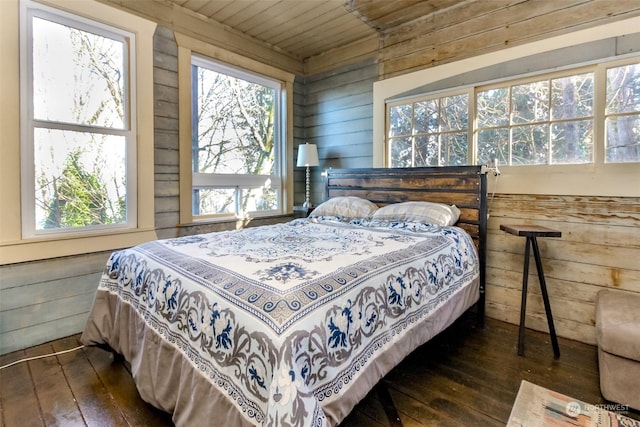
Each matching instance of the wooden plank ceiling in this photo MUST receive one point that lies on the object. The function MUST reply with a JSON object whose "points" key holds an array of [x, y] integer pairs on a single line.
{"points": [[306, 28]]}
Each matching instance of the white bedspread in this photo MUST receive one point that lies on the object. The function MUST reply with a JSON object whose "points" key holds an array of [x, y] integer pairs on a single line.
{"points": [[280, 320]]}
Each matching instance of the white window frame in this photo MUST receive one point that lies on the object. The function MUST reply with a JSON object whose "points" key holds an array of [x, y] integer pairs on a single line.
{"points": [[520, 176], [189, 47], [240, 182], [611, 179], [32, 10], [509, 83], [14, 247], [599, 115], [602, 76], [428, 97]]}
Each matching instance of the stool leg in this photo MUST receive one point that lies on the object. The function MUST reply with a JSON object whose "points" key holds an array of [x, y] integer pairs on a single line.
{"points": [[545, 298], [523, 303]]}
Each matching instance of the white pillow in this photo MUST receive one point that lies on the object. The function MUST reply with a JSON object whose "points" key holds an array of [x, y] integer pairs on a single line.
{"points": [[347, 207], [426, 212]]}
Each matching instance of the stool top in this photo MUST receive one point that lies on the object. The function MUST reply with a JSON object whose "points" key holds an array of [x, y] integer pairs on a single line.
{"points": [[530, 230]]}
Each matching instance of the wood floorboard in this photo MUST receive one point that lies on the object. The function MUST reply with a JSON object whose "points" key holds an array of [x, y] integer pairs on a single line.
{"points": [[94, 401], [120, 386], [52, 389], [18, 399], [464, 376]]}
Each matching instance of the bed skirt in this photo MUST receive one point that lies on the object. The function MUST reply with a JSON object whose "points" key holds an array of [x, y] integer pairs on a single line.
{"points": [[167, 379]]}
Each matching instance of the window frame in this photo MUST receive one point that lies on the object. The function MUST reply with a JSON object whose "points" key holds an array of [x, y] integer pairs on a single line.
{"points": [[603, 76], [14, 248], [436, 95], [29, 123], [188, 47], [509, 83], [241, 182], [598, 69]]}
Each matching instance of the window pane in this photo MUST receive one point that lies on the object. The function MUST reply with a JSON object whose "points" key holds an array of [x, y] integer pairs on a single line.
{"points": [[426, 116], [80, 179], [431, 120], [259, 199], [530, 145], [572, 142], [623, 139], [453, 151], [622, 142], [427, 150], [78, 77], [400, 120], [572, 97], [400, 153], [454, 112], [623, 89], [493, 144], [214, 201], [530, 102], [493, 107], [235, 125]]}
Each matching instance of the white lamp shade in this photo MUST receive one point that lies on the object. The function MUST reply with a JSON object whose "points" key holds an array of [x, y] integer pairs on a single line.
{"points": [[307, 155]]}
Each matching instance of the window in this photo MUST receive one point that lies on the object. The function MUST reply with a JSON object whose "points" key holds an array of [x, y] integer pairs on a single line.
{"points": [[623, 114], [548, 120], [432, 132], [78, 141], [237, 137], [541, 122], [22, 238]]}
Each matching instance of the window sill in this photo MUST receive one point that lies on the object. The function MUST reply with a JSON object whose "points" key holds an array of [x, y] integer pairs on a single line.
{"points": [[239, 222], [619, 180], [32, 250]]}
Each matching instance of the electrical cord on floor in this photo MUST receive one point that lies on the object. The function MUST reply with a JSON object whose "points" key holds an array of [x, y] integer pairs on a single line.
{"points": [[41, 356]]}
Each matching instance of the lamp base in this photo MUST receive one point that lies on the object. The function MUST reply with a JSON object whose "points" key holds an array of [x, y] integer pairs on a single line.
{"points": [[306, 203]]}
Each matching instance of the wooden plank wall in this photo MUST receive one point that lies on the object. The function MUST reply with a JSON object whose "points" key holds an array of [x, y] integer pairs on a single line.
{"points": [[338, 117], [165, 88], [599, 249], [477, 27], [44, 300], [299, 137]]}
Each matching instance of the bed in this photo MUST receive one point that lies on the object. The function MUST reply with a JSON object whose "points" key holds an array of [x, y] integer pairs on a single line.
{"points": [[294, 323]]}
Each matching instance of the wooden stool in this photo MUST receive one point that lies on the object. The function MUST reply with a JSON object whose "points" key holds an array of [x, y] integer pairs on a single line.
{"points": [[531, 232]]}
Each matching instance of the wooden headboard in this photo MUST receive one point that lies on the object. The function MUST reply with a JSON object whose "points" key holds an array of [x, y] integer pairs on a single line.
{"points": [[463, 186]]}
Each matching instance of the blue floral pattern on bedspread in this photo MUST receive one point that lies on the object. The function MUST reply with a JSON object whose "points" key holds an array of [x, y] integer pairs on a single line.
{"points": [[281, 318]]}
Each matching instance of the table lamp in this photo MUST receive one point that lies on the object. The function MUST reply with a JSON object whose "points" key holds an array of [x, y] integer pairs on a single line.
{"points": [[307, 156]]}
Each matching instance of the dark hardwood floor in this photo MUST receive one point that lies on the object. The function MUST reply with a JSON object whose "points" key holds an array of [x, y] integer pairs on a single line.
{"points": [[463, 377]]}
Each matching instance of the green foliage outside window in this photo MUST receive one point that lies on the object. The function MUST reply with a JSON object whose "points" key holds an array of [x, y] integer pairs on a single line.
{"points": [[81, 199], [79, 126]]}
